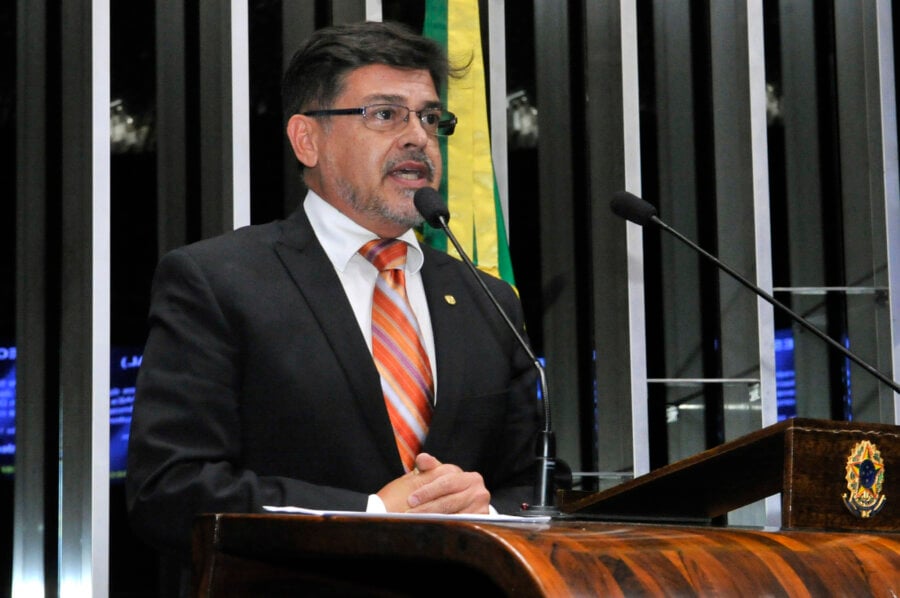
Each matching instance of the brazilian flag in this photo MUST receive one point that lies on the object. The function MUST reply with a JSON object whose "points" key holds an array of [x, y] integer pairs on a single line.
{"points": [[468, 183]]}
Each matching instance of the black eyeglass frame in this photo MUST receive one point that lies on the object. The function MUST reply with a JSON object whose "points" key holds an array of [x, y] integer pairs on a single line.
{"points": [[444, 128]]}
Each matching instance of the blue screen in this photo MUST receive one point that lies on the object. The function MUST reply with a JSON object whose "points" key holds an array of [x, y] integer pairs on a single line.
{"points": [[124, 365], [7, 409], [785, 374], [122, 379]]}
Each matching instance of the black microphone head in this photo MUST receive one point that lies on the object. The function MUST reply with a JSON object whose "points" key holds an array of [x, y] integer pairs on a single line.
{"points": [[631, 207], [431, 206]]}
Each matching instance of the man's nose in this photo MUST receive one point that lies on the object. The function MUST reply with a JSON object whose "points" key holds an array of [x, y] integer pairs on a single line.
{"points": [[413, 132]]}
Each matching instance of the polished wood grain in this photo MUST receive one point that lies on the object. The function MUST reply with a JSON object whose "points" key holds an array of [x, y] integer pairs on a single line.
{"points": [[287, 555]]}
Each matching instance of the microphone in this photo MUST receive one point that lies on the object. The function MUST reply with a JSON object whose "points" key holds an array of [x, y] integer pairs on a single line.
{"points": [[633, 208], [431, 206]]}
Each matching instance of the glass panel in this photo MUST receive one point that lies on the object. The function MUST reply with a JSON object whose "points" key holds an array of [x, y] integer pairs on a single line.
{"points": [[829, 245], [686, 406], [849, 387], [686, 418]]}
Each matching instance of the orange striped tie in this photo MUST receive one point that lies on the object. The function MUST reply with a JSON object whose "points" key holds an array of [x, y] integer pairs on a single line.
{"points": [[397, 348]]}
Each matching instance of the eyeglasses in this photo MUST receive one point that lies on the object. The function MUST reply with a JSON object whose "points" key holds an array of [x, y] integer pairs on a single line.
{"points": [[390, 117]]}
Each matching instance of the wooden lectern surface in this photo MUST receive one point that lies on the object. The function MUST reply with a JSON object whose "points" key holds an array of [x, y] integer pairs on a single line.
{"points": [[290, 555]]}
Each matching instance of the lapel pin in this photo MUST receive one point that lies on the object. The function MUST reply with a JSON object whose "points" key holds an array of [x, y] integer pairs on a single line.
{"points": [[450, 299]]}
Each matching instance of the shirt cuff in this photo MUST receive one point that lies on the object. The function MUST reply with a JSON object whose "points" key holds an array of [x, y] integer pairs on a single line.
{"points": [[375, 505]]}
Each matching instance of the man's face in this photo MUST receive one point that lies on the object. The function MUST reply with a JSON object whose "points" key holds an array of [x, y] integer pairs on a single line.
{"points": [[371, 175]]}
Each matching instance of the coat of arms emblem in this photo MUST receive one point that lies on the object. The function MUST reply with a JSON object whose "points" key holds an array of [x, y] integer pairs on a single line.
{"points": [[865, 477]]}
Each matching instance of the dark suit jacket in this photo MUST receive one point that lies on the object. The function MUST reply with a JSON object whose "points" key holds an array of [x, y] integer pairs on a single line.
{"points": [[257, 388]]}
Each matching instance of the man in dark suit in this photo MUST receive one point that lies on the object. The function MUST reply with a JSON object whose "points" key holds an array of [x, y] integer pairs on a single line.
{"points": [[258, 385]]}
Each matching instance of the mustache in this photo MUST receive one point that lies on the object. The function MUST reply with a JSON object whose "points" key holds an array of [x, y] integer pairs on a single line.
{"points": [[411, 156]]}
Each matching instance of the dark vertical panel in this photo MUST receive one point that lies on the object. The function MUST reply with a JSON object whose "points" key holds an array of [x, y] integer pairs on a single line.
{"points": [[194, 125], [609, 253], [582, 416], [8, 145], [133, 169], [80, 266], [147, 177], [707, 223], [866, 180], [171, 125], [557, 221], [52, 295], [832, 206], [524, 220], [8, 168], [266, 130], [298, 22], [347, 11], [668, 167], [216, 184], [37, 325], [797, 234], [650, 189]]}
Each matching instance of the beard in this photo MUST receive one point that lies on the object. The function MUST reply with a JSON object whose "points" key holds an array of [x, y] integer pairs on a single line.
{"points": [[402, 212], [398, 212]]}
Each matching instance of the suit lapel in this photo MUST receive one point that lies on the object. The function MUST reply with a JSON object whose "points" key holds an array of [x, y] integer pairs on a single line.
{"points": [[442, 292], [316, 280]]}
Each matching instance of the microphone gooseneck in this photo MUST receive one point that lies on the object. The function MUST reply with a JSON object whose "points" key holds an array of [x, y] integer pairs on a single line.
{"points": [[431, 206], [633, 208]]}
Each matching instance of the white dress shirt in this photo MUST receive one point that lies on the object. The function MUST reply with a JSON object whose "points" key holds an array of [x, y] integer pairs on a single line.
{"points": [[341, 238]]}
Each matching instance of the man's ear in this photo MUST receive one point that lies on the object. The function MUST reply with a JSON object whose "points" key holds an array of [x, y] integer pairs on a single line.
{"points": [[301, 133]]}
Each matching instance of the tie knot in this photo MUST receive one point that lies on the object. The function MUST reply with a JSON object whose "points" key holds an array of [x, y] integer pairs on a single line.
{"points": [[385, 254]]}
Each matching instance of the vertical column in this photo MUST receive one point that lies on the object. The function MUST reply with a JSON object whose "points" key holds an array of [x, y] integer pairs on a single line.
{"points": [[216, 176], [887, 88], [881, 133], [224, 117], [762, 226], [348, 11], [84, 367], [373, 10], [33, 359], [497, 86], [742, 209], [868, 165], [613, 142], [741, 163], [762, 222], [631, 156], [799, 112], [240, 111], [679, 298], [298, 22], [557, 232], [171, 125]]}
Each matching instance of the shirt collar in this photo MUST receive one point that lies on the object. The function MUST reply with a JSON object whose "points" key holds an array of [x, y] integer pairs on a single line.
{"points": [[341, 238]]}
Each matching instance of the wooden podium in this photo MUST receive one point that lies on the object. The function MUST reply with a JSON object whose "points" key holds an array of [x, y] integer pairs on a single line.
{"points": [[294, 555], [805, 460], [644, 538]]}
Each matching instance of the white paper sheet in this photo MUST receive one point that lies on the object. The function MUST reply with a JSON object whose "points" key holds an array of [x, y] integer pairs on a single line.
{"points": [[419, 516]]}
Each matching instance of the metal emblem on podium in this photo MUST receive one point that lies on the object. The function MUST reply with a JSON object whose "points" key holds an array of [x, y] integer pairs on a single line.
{"points": [[865, 477]]}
